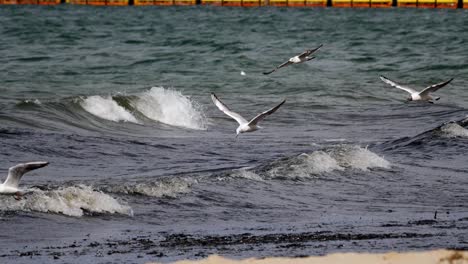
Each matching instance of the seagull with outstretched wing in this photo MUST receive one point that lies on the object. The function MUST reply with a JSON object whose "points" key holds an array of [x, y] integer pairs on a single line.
{"points": [[244, 125], [11, 184], [303, 57], [423, 95]]}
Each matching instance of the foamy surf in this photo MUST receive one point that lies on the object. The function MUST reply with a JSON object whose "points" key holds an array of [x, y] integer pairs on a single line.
{"points": [[357, 157], [72, 201], [245, 173], [164, 188], [31, 101], [319, 162], [171, 107], [107, 108], [452, 130]]}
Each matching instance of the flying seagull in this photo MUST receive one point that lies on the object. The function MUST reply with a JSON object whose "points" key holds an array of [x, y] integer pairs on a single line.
{"points": [[296, 59], [424, 95], [244, 125], [10, 186]]}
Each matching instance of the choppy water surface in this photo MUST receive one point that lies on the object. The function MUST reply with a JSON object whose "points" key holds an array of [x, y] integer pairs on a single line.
{"points": [[144, 167]]}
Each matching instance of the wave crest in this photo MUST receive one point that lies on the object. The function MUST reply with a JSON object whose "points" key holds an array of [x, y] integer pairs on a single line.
{"points": [[452, 130], [341, 157], [358, 158], [165, 188], [305, 165], [71, 201], [108, 109], [245, 173], [171, 107]]}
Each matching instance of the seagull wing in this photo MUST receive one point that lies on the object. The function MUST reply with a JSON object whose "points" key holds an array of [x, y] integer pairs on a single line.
{"points": [[301, 56], [396, 85], [268, 72], [435, 87], [261, 116], [278, 67], [284, 64], [227, 111], [309, 52], [16, 172]]}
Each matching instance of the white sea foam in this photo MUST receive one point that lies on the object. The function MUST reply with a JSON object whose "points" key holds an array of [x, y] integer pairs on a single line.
{"points": [[164, 188], [33, 101], [246, 174], [358, 158], [324, 161], [171, 107], [315, 163], [452, 130], [71, 201], [306, 165], [107, 108]]}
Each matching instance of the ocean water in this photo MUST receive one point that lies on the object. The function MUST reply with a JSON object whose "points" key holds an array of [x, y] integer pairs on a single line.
{"points": [[143, 166]]}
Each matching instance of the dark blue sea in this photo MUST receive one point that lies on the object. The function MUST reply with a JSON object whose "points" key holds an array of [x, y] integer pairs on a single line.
{"points": [[144, 167]]}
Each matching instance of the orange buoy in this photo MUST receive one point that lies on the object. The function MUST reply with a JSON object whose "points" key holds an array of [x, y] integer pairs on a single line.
{"points": [[342, 3], [117, 2], [316, 3], [10, 2], [143, 2], [164, 2], [407, 3], [381, 3], [361, 3], [232, 2], [446, 3], [251, 3], [185, 2], [278, 2]]}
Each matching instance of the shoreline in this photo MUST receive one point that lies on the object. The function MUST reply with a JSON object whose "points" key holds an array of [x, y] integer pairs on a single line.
{"points": [[441, 256]]}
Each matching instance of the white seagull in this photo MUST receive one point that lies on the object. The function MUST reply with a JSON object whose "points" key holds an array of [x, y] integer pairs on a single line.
{"points": [[424, 95], [244, 125], [297, 59], [10, 186]]}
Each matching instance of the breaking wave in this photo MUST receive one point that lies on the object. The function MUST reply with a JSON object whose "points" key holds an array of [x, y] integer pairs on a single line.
{"points": [[453, 130], [164, 188], [107, 108], [305, 165], [72, 201], [170, 107], [358, 158], [167, 106], [30, 102], [438, 135], [245, 173], [319, 162]]}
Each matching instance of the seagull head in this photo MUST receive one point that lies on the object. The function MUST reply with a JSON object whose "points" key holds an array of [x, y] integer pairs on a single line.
{"points": [[409, 98]]}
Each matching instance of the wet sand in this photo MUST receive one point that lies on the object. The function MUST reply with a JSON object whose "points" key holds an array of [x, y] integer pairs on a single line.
{"points": [[426, 257]]}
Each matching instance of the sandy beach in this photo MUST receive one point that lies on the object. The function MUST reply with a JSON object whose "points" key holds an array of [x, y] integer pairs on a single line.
{"points": [[424, 257]]}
